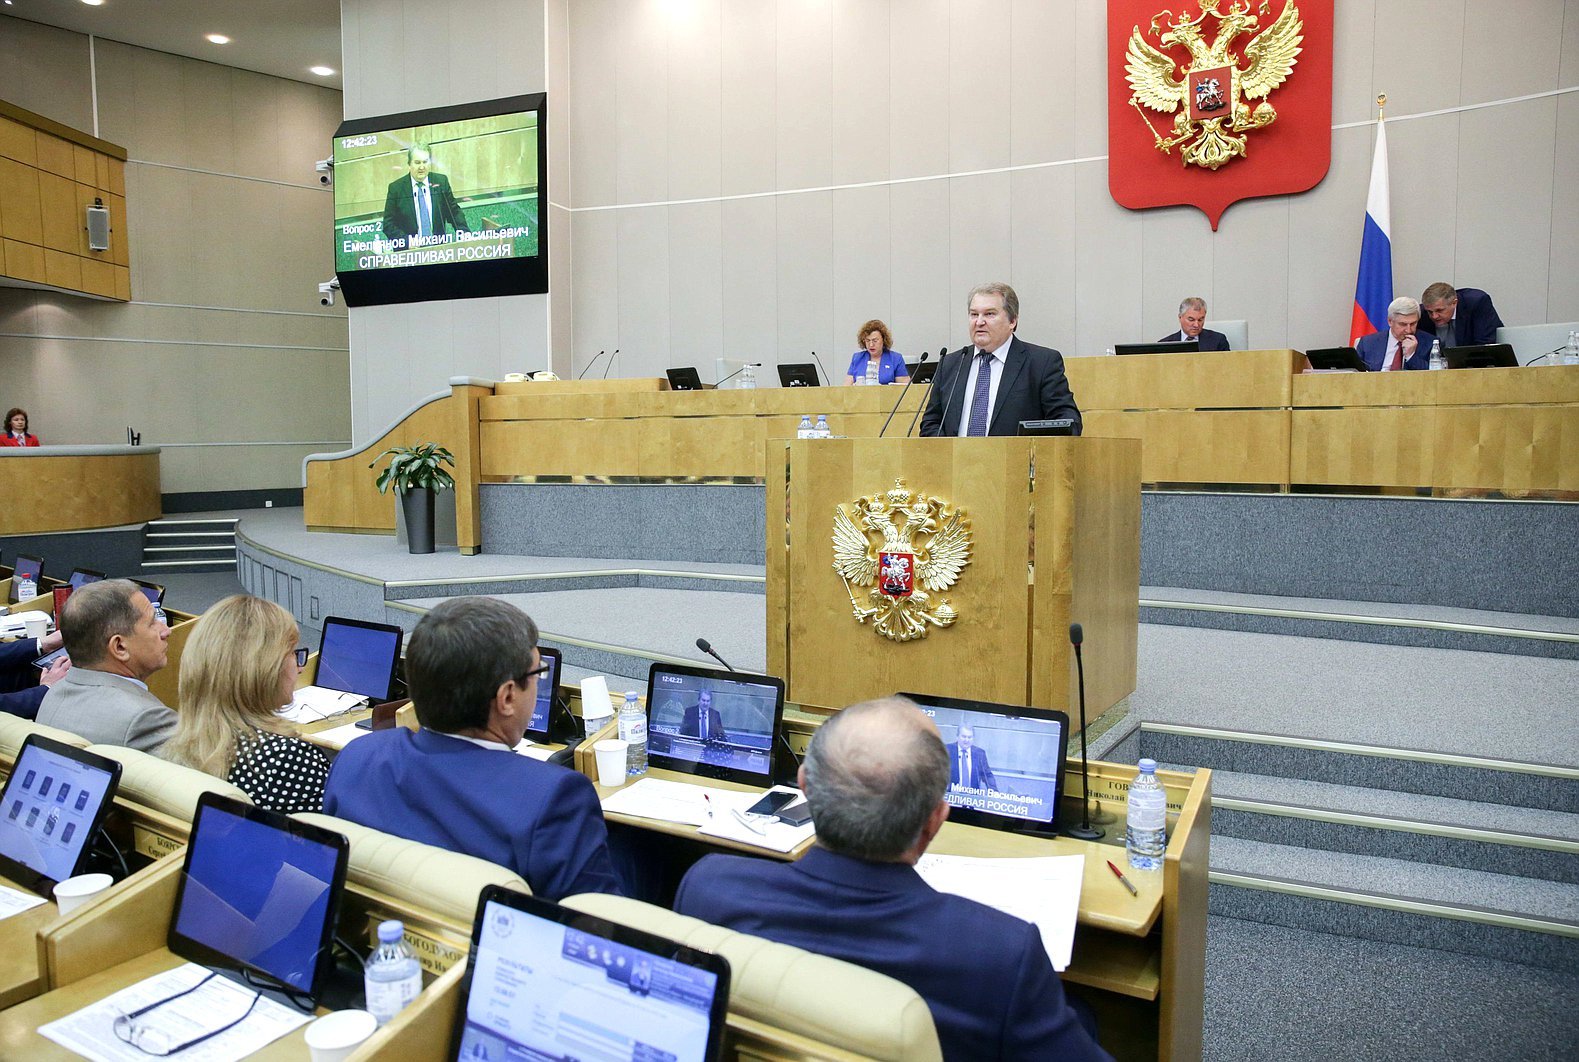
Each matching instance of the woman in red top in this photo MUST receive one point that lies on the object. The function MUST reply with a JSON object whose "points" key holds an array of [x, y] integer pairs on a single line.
{"points": [[16, 430]]}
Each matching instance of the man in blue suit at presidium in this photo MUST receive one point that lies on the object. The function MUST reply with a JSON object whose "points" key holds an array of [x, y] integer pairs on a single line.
{"points": [[874, 775], [472, 666], [1398, 347]]}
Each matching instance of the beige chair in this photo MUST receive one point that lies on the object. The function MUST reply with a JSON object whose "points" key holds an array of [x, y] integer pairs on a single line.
{"points": [[826, 1000], [14, 730], [165, 787]]}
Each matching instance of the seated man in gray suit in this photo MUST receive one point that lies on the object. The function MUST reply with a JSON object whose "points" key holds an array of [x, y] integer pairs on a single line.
{"points": [[115, 641]]}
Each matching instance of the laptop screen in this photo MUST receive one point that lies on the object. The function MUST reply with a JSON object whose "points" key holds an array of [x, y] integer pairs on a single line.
{"points": [[721, 724], [358, 657], [28, 570], [258, 891], [53, 801], [544, 981], [81, 577], [1006, 763], [547, 687], [152, 591]]}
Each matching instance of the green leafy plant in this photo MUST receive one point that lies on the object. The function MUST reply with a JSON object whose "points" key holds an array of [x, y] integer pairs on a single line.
{"points": [[415, 468]]}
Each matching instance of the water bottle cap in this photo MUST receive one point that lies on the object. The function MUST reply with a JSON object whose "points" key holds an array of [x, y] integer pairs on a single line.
{"points": [[390, 931], [629, 697], [1148, 766]]}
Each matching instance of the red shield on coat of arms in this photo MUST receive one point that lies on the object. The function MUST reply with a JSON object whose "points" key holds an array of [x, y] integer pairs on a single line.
{"points": [[896, 574], [1226, 100]]}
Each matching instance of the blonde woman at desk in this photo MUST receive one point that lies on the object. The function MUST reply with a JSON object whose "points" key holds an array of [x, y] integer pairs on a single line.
{"points": [[239, 667]]}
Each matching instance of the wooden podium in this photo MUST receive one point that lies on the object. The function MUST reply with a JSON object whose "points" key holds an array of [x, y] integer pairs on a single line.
{"points": [[1054, 538]]}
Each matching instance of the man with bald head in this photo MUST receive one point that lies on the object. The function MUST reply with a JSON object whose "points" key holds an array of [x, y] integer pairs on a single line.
{"points": [[875, 775]]}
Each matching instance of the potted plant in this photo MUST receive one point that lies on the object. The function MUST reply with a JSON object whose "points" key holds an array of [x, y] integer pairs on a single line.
{"points": [[417, 474]]}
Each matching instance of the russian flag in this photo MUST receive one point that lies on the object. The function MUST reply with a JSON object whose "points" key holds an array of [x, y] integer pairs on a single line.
{"points": [[1373, 290]]}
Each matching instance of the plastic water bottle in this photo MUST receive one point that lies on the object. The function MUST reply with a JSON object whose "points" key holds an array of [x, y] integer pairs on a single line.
{"points": [[805, 431], [1436, 355], [872, 379], [392, 977], [1569, 355], [748, 378], [633, 731], [822, 429], [1146, 834]]}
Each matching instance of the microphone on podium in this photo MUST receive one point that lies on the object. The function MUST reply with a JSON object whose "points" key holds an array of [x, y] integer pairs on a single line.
{"points": [[731, 376], [610, 365], [594, 361], [1085, 831], [909, 379], [942, 357], [828, 381], [702, 644]]}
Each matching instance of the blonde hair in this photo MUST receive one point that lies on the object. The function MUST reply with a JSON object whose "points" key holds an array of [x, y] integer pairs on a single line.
{"points": [[230, 682]]}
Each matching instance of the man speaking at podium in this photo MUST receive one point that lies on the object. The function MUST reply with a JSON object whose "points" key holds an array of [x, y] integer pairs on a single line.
{"points": [[421, 203], [999, 380]]}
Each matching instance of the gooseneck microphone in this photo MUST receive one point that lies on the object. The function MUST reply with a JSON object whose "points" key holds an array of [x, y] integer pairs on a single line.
{"points": [[610, 365], [594, 361], [702, 644], [910, 378], [827, 380], [1085, 831], [926, 398], [731, 376], [962, 356]]}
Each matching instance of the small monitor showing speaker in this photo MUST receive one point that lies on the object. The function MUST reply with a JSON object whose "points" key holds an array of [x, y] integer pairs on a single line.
{"points": [[799, 375], [684, 379]]}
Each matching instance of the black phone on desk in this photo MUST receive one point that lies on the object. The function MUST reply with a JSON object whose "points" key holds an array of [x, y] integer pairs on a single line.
{"points": [[772, 802]]}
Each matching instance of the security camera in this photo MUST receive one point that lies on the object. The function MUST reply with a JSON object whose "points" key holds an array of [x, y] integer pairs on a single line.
{"points": [[325, 168], [326, 291]]}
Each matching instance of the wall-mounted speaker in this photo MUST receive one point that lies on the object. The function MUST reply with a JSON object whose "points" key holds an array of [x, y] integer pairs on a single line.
{"points": [[98, 226]]}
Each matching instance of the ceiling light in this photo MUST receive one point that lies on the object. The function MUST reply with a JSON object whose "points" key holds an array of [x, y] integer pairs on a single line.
{"points": [[93, 3], [218, 38], [322, 71]]}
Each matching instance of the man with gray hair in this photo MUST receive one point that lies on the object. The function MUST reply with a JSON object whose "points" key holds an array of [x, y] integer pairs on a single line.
{"points": [[875, 775], [1398, 347], [115, 640], [1192, 325]]}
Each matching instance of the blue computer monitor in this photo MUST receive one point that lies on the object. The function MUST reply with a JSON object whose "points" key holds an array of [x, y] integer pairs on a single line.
{"points": [[547, 690], [358, 656], [718, 724], [81, 577]]}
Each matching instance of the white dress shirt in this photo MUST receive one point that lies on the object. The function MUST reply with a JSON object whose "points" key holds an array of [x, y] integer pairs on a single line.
{"points": [[995, 366]]}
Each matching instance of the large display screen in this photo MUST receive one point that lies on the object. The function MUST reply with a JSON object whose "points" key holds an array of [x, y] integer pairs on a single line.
{"points": [[443, 203]]}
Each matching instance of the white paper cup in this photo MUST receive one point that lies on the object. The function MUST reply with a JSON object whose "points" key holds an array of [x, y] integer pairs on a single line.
{"points": [[595, 703], [611, 755], [333, 1037], [36, 624], [74, 892]]}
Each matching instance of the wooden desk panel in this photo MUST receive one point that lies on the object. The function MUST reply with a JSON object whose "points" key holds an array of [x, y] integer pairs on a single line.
{"points": [[1536, 385], [1190, 446], [1248, 379], [75, 492]]}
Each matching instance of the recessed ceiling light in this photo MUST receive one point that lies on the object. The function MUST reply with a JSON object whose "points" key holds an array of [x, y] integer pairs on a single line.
{"points": [[322, 71], [93, 3], [218, 38]]}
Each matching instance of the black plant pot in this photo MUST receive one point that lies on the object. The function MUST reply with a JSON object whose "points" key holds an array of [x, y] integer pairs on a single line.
{"points": [[418, 506]]}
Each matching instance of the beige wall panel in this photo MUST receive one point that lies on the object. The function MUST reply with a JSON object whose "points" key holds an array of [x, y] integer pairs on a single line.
{"points": [[862, 76], [1041, 122], [1531, 30], [640, 75], [979, 123], [158, 120], [308, 115], [58, 207], [24, 261], [254, 112], [980, 226], [1087, 39], [39, 70], [696, 310], [1179, 261], [805, 275], [1108, 249], [804, 72], [695, 102], [116, 66], [1043, 263], [1506, 155], [644, 292], [21, 209], [923, 295], [1563, 274], [751, 295], [750, 107], [1425, 229], [1435, 30], [918, 135], [1253, 268], [1353, 48], [595, 294], [1326, 223], [18, 142], [863, 278], [158, 255], [591, 140], [62, 269]]}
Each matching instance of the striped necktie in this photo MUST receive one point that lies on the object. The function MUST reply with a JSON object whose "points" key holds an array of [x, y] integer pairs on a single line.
{"points": [[980, 399]]}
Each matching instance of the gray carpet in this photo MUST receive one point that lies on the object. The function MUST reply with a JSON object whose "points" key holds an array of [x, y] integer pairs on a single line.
{"points": [[1281, 993]]}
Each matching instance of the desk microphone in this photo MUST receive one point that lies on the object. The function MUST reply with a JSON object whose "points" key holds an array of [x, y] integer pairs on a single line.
{"points": [[588, 369], [942, 353], [701, 643], [610, 365], [963, 359], [910, 378], [828, 380], [1085, 831], [720, 383], [1532, 361]]}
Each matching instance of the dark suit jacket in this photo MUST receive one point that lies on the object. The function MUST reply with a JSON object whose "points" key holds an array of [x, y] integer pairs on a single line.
{"points": [[540, 820], [715, 723], [980, 769], [400, 213], [1208, 339], [1373, 351], [20, 692], [1475, 320], [985, 975], [1033, 387], [107, 710]]}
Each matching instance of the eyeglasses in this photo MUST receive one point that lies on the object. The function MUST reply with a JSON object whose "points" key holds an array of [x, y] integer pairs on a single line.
{"points": [[541, 669], [301, 657], [151, 1040]]}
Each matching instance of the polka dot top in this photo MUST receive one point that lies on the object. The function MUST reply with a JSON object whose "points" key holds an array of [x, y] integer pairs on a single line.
{"points": [[280, 773]]}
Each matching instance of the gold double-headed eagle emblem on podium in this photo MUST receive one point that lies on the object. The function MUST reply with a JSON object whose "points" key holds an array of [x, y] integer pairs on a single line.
{"points": [[901, 548]]}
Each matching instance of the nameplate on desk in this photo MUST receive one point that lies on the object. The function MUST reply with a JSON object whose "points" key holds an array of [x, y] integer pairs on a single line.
{"points": [[1111, 790], [432, 955], [154, 845]]}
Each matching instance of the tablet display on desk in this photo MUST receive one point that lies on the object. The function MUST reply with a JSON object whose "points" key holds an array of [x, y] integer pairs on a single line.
{"points": [[547, 982], [717, 724], [81, 577], [357, 656], [259, 892], [28, 570], [547, 690], [53, 802], [1006, 762]]}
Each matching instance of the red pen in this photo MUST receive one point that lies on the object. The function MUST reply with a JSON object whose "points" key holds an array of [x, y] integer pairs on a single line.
{"points": [[1119, 874]]}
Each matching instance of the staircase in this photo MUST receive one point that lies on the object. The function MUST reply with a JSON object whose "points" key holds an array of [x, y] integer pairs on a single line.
{"points": [[196, 545], [1457, 853]]}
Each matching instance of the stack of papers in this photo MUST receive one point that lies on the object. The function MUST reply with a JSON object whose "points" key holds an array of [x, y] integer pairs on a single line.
{"points": [[717, 812], [313, 703], [1044, 891], [15, 901]]}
